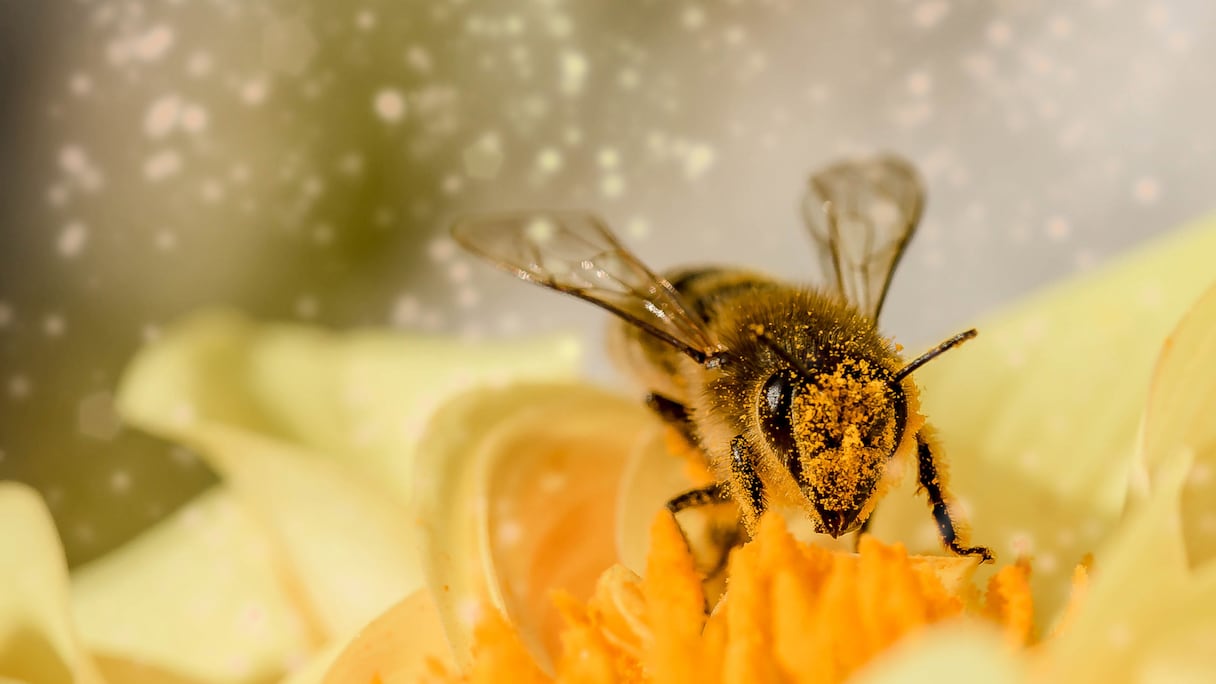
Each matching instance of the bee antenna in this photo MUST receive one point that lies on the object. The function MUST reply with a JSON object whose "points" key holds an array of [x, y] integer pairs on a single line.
{"points": [[794, 363], [934, 352]]}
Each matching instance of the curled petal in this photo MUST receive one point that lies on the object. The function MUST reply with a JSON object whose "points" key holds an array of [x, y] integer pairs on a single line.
{"points": [[516, 488], [1180, 417], [38, 642]]}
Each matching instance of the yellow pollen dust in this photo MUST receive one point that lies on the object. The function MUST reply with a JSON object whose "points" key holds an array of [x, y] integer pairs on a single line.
{"points": [[845, 431], [793, 612]]}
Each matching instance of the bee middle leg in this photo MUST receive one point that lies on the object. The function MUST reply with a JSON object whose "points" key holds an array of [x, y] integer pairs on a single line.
{"points": [[929, 479], [676, 415]]}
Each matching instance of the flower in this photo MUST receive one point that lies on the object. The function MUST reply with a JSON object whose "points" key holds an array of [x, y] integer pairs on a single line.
{"points": [[309, 537], [1042, 421]]}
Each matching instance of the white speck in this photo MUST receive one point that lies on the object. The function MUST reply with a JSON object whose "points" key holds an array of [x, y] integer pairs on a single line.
{"points": [[458, 272], [307, 307], [288, 45], [998, 34], [734, 35], [629, 79], [510, 532], [540, 230], [698, 158], [637, 228], [199, 64], [467, 297], [254, 91], [120, 482], [72, 239], [919, 83], [389, 105], [612, 185], [194, 119], [1146, 190], [1119, 635], [1058, 228], [483, 158], [692, 18], [573, 69], [365, 19], [162, 165], [549, 160], [74, 160], [552, 482], [154, 44], [451, 184], [419, 59], [1200, 475], [166, 240], [162, 116], [19, 387], [441, 249], [1060, 26], [81, 84], [560, 25], [929, 14], [1046, 563], [6, 314], [405, 311], [54, 325], [1021, 543], [468, 611], [608, 158]]}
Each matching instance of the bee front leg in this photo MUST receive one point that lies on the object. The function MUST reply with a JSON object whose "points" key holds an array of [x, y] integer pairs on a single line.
{"points": [[929, 479], [749, 489]]}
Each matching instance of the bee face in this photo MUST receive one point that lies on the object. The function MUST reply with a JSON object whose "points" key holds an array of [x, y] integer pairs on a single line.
{"points": [[834, 432]]}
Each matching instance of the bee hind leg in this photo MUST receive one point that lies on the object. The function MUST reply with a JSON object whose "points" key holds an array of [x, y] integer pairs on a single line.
{"points": [[930, 480]]}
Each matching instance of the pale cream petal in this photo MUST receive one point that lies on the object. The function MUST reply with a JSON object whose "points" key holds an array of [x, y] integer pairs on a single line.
{"points": [[1039, 414], [359, 397], [197, 596], [313, 670], [517, 495], [1141, 590], [397, 647], [964, 652], [38, 642], [315, 433], [1181, 415]]}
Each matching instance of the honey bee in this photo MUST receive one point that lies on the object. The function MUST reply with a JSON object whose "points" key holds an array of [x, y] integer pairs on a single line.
{"points": [[789, 391]]}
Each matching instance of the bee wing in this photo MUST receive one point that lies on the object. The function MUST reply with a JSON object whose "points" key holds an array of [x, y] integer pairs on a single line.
{"points": [[862, 214], [575, 253]]}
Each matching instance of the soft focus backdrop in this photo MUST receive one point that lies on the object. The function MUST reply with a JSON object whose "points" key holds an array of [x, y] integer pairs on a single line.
{"points": [[301, 160]]}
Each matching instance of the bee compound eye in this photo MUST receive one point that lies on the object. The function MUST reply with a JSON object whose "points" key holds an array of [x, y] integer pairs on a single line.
{"points": [[777, 394]]}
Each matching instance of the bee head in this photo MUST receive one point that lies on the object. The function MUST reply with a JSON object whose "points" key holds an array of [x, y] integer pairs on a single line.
{"points": [[836, 430]]}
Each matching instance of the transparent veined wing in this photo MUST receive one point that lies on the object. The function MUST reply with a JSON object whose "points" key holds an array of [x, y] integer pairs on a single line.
{"points": [[861, 215], [574, 252]]}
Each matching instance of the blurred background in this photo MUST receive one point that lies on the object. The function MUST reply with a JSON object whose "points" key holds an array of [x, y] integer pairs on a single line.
{"points": [[301, 160]]}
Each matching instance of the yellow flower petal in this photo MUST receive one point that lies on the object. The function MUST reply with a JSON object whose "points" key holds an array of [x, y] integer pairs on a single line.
{"points": [[952, 653], [38, 642], [1181, 415], [1141, 589], [396, 647], [1038, 415], [198, 595], [315, 432], [516, 488]]}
